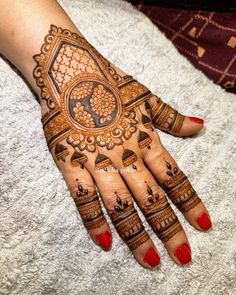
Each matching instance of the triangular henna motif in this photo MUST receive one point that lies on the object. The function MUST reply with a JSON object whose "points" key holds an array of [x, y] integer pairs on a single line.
{"points": [[128, 157], [144, 140], [146, 121], [78, 159], [102, 162], [61, 151]]}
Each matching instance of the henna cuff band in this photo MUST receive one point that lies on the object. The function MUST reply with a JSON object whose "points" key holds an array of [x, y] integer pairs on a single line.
{"points": [[162, 219], [90, 209], [165, 117], [129, 226], [181, 192]]}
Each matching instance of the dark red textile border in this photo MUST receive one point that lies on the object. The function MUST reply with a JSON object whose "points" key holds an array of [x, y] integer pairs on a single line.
{"points": [[207, 39]]}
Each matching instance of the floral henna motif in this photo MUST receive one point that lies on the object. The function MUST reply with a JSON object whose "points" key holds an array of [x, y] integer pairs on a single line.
{"points": [[89, 208], [179, 189], [165, 117], [127, 223], [88, 103], [87, 106], [160, 216]]}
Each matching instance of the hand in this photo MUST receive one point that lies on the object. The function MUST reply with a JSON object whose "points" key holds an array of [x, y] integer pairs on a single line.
{"points": [[99, 125]]}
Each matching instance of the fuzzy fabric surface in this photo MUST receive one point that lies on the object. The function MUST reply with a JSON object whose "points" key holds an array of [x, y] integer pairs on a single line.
{"points": [[44, 248]]}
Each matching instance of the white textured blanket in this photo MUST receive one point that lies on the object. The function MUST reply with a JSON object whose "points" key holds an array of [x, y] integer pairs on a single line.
{"points": [[44, 248]]}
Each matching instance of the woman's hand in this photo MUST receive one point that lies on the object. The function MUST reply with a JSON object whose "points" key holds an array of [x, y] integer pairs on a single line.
{"points": [[99, 125]]}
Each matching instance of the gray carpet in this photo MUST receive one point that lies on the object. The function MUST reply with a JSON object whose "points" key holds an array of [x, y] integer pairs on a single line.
{"points": [[44, 249]]}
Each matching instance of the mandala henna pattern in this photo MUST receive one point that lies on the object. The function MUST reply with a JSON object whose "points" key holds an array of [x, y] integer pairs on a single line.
{"points": [[127, 223], [160, 216], [88, 102], [179, 189], [88, 105], [165, 117]]}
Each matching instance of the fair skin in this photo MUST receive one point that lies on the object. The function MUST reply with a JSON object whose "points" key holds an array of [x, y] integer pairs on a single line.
{"points": [[152, 166]]}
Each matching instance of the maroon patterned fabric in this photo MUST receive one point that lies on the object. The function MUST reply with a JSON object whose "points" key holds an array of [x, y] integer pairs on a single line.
{"points": [[207, 39]]}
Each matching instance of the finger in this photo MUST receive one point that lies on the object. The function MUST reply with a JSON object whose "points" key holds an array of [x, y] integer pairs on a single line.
{"points": [[177, 186], [165, 118], [155, 207], [83, 191], [124, 216]]}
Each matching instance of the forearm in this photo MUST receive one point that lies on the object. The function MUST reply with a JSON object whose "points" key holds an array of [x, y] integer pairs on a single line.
{"points": [[23, 27]]}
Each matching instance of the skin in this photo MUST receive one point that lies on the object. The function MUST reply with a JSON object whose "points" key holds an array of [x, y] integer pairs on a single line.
{"points": [[134, 167]]}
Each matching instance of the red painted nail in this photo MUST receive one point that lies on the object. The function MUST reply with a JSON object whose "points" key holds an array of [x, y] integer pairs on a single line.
{"points": [[197, 120], [104, 240], [151, 257], [183, 253], [204, 221]]}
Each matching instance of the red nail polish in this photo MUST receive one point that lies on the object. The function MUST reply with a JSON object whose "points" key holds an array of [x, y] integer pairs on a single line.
{"points": [[204, 221], [183, 253], [197, 120], [151, 257], [104, 240]]}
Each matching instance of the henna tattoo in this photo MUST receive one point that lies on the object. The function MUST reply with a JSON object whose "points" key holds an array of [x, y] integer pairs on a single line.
{"points": [[89, 208], [180, 190], [160, 215], [78, 159], [61, 152], [88, 102], [129, 158], [127, 223], [165, 117], [102, 162], [144, 140]]}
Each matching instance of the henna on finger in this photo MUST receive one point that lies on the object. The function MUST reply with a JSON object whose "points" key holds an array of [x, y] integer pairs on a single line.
{"points": [[165, 117], [179, 189], [160, 215], [89, 207], [127, 222]]}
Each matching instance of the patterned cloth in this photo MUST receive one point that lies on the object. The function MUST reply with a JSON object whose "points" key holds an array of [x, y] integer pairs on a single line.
{"points": [[207, 39]]}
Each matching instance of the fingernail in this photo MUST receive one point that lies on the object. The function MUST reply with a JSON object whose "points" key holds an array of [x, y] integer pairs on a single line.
{"points": [[197, 120], [204, 221], [151, 257], [104, 240], [183, 253]]}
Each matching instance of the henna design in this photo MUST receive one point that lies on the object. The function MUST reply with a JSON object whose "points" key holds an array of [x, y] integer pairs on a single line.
{"points": [[165, 117], [78, 159], [128, 158], [61, 152], [89, 208], [127, 223], [144, 140], [89, 104], [180, 190], [102, 162], [160, 215]]}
